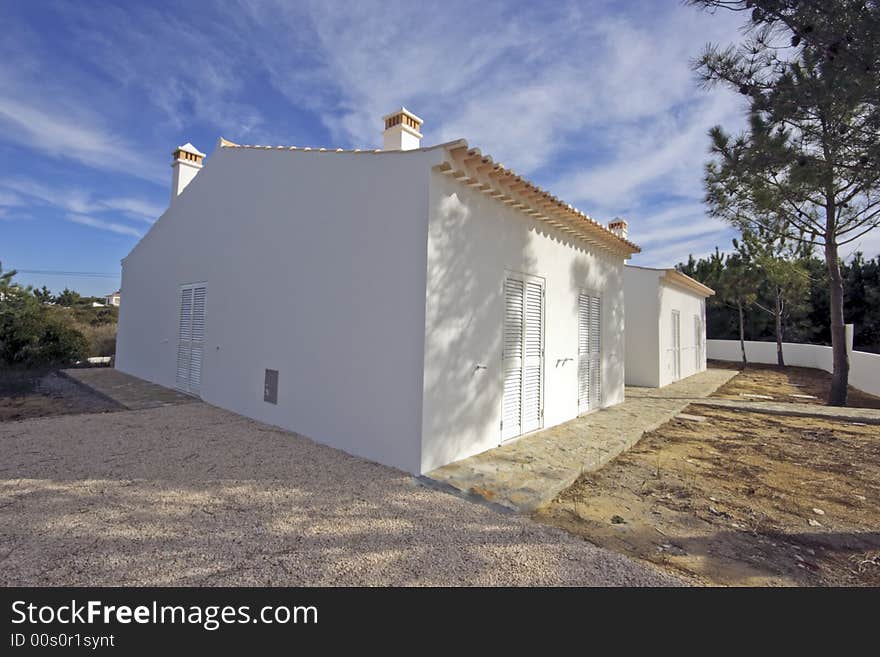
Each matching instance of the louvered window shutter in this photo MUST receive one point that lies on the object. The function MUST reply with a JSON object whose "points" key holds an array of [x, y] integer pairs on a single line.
{"points": [[512, 359], [595, 353], [676, 345], [191, 337], [198, 338], [522, 407], [533, 361], [184, 338], [589, 352]]}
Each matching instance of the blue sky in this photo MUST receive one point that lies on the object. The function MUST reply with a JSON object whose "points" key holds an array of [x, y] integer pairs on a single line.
{"points": [[595, 101]]}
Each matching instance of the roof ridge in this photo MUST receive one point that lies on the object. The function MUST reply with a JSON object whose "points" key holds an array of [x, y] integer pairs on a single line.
{"points": [[225, 143]]}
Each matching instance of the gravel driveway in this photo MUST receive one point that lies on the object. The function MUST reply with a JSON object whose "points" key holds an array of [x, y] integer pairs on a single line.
{"points": [[193, 495]]}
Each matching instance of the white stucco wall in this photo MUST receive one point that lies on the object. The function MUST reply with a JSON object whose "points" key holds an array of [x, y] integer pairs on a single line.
{"points": [[650, 300], [315, 266], [472, 241], [864, 367], [688, 304], [642, 295]]}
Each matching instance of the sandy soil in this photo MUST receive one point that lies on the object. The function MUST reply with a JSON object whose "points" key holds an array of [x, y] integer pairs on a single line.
{"points": [[740, 499], [31, 394], [193, 495], [784, 383]]}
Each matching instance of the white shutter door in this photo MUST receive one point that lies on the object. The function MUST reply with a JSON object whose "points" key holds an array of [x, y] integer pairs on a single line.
{"points": [[512, 359], [533, 365], [589, 352], [197, 343], [583, 353], [698, 338], [676, 345], [595, 353], [184, 329]]}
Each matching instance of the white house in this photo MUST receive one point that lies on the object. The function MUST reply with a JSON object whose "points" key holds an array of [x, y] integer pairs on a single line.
{"points": [[112, 299], [410, 305], [665, 326]]}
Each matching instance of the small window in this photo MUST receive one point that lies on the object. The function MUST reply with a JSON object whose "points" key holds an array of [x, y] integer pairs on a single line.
{"points": [[270, 387]]}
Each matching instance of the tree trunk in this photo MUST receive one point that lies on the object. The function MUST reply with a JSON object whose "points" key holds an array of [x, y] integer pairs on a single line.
{"points": [[742, 334], [778, 317], [840, 359]]}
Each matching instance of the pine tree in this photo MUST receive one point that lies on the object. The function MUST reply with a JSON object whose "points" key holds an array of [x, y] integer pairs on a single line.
{"points": [[810, 158], [783, 280], [43, 295], [736, 287]]}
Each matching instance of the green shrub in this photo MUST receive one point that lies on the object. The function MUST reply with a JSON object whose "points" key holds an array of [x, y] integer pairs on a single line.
{"points": [[31, 335]]}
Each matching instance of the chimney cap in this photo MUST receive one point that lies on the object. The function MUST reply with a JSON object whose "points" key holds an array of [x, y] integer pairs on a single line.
{"points": [[188, 148], [405, 112], [401, 131], [619, 227]]}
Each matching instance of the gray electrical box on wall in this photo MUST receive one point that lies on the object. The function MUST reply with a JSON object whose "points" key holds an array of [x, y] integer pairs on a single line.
{"points": [[270, 387]]}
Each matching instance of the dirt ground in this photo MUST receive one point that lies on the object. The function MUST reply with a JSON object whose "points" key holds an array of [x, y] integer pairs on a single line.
{"points": [[803, 385], [26, 394], [741, 498]]}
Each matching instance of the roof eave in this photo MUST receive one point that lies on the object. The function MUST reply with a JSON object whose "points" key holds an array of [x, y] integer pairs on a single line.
{"points": [[474, 169], [683, 280]]}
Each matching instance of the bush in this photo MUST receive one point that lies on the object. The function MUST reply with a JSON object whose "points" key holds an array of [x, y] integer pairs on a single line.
{"points": [[31, 335], [101, 338]]}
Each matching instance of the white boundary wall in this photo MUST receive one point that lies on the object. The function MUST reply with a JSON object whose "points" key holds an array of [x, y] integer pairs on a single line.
{"points": [[864, 368]]}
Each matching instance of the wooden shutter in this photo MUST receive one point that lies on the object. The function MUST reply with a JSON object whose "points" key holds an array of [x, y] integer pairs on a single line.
{"points": [[522, 406], [512, 358], [190, 337], [595, 353], [676, 345], [184, 329], [589, 352], [533, 357], [197, 344]]}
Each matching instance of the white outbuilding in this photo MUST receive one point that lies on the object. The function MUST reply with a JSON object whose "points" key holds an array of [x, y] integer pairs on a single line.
{"points": [[410, 305], [665, 326]]}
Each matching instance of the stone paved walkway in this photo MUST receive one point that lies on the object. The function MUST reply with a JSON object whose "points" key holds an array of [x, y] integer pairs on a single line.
{"points": [[864, 415], [528, 473], [126, 390]]}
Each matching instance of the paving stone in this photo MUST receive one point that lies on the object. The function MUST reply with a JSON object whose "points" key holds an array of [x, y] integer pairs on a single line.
{"points": [[528, 473], [126, 390], [692, 418], [754, 396]]}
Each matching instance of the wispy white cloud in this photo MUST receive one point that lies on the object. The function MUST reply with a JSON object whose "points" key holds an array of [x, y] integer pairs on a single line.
{"points": [[136, 208], [9, 199], [61, 136], [597, 101], [112, 226], [78, 201]]}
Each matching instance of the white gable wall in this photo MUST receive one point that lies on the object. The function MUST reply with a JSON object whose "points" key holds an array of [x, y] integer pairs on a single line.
{"points": [[650, 301], [315, 267], [642, 293], [472, 241], [688, 304]]}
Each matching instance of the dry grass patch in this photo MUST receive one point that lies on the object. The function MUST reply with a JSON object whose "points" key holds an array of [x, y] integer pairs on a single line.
{"points": [[740, 499]]}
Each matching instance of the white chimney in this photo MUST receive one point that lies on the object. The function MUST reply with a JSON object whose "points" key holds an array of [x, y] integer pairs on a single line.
{"points": [[618, 227], [186, 164], [401, 131]]}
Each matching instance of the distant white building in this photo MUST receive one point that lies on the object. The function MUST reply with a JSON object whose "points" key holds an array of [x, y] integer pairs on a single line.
{"points": [[410, 305], [665, 326], [112, 299]]}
